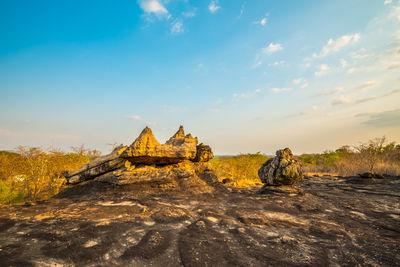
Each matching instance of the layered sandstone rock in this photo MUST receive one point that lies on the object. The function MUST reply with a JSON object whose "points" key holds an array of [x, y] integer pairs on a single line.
{"points": [[147, 150], [146, 160], [284, 169]]}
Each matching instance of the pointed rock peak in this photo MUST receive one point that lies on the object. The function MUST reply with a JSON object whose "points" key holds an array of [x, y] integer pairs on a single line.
{"points": [[146, 138], [180, 133]]}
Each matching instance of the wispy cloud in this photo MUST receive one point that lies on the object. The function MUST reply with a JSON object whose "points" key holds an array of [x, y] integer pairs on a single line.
{"points": [[300, 82], [367, 85], [387, 2], [272, 48], [277, 63], [237, 96], [213, 6], [336, 45], [279, 90], [242, 10], [371, 98], [177, 27], [303, 113], [390, 118], [322, 70], [134, 117], [341, 100], [263, 21], [346, 99], [332, 91]]}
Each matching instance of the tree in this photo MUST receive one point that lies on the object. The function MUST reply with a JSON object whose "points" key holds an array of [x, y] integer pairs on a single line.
{"points": [[372, 151]]}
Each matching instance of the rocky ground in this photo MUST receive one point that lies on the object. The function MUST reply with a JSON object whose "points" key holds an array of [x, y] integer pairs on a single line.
{"points": [[330, 222]]}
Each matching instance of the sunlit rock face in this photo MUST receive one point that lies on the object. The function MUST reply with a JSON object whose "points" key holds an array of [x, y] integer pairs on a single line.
{"points": [[204, 153], [146, 160], [284, 169], [147, 150]]}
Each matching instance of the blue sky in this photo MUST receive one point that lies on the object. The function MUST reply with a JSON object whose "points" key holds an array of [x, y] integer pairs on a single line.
{"points": [[243, 76]]}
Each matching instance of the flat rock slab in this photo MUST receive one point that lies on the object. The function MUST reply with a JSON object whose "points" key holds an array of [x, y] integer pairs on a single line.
{"points": [[334, 221]]}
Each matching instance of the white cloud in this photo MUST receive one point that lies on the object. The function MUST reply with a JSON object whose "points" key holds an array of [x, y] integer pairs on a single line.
{"points": [[237, 97], [177, 27], [343, 63], [323, 70], [135, 117], [336, 45], [300, 82], [341, 100], [272, 48], [278, 90], [213, 6], [262, 21], [277, 63], [387, 2], [153, 6]]}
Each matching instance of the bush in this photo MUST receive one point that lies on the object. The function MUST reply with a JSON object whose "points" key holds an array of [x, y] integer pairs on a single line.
{"points": [[375, 156], [35, 174], [8, 195]]}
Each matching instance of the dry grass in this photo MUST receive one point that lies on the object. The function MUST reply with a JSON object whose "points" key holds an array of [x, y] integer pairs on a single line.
{"points": [[242, 170]]}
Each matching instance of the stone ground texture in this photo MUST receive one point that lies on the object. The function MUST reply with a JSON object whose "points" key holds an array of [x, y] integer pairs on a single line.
{"points": [[331, 222]]}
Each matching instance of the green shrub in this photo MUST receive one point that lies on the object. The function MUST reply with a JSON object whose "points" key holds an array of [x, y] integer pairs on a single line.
{"points": [[8, 194]]}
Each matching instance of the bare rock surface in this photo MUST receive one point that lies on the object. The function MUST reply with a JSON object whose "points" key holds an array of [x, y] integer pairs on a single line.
{"points": [[284, 169], [192, 222]]}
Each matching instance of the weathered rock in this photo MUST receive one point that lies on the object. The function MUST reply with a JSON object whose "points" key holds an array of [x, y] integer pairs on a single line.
{"points": [[283, 169], [147, 150], [371, 175], [97, 167], [130, 174], [204, 153]]}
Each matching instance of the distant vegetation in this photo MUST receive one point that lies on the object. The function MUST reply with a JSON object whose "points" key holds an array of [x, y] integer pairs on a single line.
{"points": [[34, 174], [375, 156]]}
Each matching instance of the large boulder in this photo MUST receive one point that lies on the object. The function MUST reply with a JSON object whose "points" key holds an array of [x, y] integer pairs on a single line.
{"points": [[284, 169], [203, 154], [147, 150]]}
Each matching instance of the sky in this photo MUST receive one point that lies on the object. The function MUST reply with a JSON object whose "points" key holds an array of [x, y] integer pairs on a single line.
{"points": [[243, 76]]}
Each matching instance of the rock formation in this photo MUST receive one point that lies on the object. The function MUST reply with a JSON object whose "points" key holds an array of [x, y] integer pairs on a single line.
{"points": [[283, 169], [146, 160], [147, 150], [204, 153]]}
